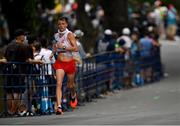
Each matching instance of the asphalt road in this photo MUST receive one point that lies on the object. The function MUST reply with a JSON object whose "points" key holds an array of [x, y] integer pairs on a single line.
{"points": [[153, 104]]}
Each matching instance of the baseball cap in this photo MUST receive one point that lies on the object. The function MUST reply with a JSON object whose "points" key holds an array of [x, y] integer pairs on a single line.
{"points": [[126, 31], [19, 32], [108, 32], [78, 33]]}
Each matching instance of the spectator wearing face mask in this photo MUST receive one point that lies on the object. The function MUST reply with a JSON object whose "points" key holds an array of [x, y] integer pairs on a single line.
{"points": [[103, 43], [16, 51], [78, 35]]}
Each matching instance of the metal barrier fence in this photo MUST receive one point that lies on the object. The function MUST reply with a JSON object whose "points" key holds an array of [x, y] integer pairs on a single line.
{"points": [[97, 74]]}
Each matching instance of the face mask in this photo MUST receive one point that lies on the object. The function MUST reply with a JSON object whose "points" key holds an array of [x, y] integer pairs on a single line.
{"points": [[25, 40], [63, 31]]}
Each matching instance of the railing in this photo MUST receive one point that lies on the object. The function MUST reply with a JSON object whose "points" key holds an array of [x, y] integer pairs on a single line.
{"points": [[97, 74]]}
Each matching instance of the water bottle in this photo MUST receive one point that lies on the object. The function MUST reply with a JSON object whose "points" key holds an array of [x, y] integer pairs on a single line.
{"points": [[94, 66], [44, 99], [142, 81], [126, 56], [38, 111], [33, 110], [46, 92], [50, 106], [44, 104], [138, 79]]}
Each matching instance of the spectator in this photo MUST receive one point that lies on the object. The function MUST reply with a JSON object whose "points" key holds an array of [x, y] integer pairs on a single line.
{"points": [[78, 56], [156, 54], [47, 54], [36, 52], [78, 34], [16, 51], [38, 57], [126, 37], [126, 43], [110, 64], [31, 41], [160, 12], [48, 78], [111, 46], [146, 57], [119, 64], [135, 59], [171, 22], [39, 78], [135, 46], [102, 44], [3, 60]]}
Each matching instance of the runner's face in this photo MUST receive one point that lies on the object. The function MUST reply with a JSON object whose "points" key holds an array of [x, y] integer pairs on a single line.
{"points": [[62, 25]]}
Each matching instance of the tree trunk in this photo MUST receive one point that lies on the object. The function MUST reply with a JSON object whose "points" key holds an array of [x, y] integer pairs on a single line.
{"points": [[14, 13], [84, 23], [116, 14]]}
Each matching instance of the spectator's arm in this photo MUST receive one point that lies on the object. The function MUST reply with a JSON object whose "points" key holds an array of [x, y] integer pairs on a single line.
{"points": [[52, 58], [3, 60], [33, 61]]}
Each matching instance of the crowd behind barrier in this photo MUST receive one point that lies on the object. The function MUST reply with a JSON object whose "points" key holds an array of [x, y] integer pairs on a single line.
{"points": [[96, 75]]}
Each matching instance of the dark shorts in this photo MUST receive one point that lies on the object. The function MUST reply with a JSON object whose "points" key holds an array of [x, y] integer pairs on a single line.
{"points": [[146, 62], [14, 81], [15, 84]]}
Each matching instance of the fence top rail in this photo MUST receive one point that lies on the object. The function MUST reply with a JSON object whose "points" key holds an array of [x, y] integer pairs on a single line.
{"points": [[86, 58], [95, 55], [22, 63], [99, 54]]}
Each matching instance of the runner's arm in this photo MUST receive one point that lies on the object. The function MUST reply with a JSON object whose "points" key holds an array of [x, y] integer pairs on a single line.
{"points": [[72, 40]]}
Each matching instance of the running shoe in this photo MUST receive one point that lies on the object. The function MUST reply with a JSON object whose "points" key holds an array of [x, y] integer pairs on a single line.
{"points": [[59, 111], [73, 102]]}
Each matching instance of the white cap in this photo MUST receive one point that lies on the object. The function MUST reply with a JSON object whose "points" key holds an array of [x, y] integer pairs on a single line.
{"points": [[150, 28], [126, 31], [78, 33], [108, 32]]}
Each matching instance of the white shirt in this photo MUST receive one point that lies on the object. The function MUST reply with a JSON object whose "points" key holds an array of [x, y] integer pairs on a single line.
{"points": [[127, 39], [64, 41], [47, 53]]}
